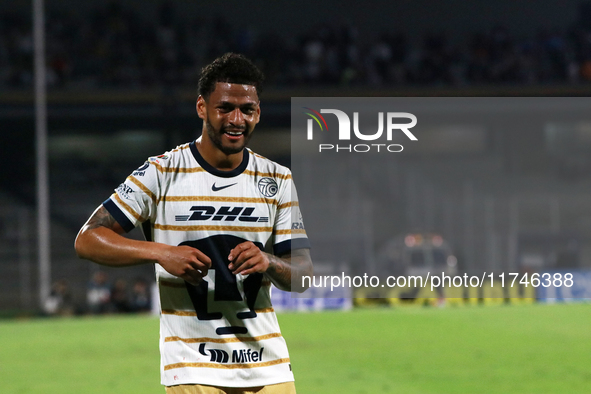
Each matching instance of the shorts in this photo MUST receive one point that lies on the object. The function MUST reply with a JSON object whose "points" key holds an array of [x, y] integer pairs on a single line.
{"points": [[280, 388]]}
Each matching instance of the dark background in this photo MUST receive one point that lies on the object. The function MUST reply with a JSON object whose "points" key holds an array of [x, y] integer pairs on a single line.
{"points": [[122, 86]]}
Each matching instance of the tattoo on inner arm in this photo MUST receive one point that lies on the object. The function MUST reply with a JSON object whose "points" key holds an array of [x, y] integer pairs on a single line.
{"points": [[101, 218], [280, 271], [286, 270]]}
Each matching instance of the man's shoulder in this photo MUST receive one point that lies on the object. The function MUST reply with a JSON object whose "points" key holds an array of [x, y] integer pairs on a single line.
{"points": [[263, 165], [173, 158]]}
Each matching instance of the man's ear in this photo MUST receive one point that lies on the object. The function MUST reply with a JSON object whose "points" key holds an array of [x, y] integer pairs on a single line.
{"points": [[201, 107]]}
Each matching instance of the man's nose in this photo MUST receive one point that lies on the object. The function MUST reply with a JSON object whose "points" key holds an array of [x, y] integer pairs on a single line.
{"points": [[236, 117]]}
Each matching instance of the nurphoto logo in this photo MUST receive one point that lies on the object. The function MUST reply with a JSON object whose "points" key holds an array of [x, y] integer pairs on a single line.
{"points": [[344, 132]]}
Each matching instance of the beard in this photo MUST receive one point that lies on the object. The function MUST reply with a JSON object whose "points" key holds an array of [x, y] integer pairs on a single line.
{"points": [[216, 138]]}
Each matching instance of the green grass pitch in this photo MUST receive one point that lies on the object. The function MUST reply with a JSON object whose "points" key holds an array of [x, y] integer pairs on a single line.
{"points": [[496, 349]]}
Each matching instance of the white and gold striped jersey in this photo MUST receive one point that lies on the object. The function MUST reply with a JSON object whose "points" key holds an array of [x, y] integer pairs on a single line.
{"points": [[224, 331]]}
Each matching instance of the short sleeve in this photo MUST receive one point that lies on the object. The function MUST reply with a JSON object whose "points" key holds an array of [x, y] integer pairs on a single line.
{"points": [[289, 230], [135, 200]]}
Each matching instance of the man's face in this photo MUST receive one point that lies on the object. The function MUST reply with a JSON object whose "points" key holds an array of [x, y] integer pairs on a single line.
{"points": [[230, 115]]}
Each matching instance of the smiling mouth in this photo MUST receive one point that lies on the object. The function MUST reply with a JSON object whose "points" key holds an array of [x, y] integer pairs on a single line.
{"points": [[234, 133]]}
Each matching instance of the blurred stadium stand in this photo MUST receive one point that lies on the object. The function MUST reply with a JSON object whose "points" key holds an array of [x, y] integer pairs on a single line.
{"points": [[122, 77], [136, 45]]}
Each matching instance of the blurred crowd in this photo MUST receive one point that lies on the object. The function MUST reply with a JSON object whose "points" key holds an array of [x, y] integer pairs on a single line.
{"points": [[114, 47], [102, 297]]}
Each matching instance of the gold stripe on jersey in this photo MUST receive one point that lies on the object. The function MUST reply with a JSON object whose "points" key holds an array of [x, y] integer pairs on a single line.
{"points": [[256, 154], [254, 200], [224, 340], [288, 205], [177, 169], [290, 231], [178, 313], [179, 148], [226, 366], [169, 227], [128, 208], [259, 156], [267, 174], [200, 169], [194, 314], [142, 187]]}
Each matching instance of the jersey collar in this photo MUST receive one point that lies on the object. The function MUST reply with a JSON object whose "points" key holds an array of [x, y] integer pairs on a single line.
{"points": [[214, 171]]}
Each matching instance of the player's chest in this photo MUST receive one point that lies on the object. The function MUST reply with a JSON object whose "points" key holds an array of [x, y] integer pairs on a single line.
{"points": [[207, 198]]}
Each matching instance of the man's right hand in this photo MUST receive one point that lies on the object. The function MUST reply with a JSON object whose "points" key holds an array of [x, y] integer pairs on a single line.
{"points": [[185, 262]]}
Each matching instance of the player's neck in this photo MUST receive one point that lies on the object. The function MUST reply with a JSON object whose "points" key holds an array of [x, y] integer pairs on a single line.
{"points": [[216, 158]]}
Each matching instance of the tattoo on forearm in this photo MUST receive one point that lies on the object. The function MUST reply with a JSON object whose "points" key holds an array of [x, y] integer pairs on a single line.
{"points": [[101, 218], [279, 271], [285, 271]]}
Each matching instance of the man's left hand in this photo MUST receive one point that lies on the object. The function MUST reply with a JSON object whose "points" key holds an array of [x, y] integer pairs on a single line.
{"points": [[246, 258]]}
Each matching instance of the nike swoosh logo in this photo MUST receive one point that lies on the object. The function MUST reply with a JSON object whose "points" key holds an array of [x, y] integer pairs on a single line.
{"points": [[217, 189]]}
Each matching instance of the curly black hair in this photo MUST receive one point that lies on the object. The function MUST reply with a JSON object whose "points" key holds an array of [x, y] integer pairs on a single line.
{"points": [[231, 68]]}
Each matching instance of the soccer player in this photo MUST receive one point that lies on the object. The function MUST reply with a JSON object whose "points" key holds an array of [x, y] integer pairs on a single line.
{"points": [[207, 209]]}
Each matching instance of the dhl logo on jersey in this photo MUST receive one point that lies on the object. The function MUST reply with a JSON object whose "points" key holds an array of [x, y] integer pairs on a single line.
{"points": [[226, 213]]}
